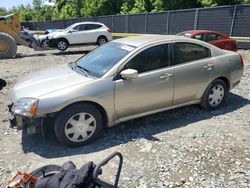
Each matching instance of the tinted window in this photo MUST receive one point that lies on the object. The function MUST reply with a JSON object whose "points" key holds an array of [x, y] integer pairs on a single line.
{"points": [[211, 37], [92, 26], [199, 37], [186, 52], [152, 58]]}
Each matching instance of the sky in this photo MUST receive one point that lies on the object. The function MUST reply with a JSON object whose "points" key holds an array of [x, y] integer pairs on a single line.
{"points": [[10, 3]]}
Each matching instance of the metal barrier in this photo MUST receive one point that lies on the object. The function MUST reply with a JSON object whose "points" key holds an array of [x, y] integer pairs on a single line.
{"points": [[231, 20]]}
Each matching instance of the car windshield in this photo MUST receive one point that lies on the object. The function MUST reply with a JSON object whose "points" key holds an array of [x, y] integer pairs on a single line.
{"points": [[102, 59]]}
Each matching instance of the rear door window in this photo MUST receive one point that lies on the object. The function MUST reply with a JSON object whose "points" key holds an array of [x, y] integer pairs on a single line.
{"points": [[92, 26], [186, 52]]}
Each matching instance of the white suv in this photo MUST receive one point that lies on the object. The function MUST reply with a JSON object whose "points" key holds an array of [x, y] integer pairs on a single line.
{"points": [[79, 33]]}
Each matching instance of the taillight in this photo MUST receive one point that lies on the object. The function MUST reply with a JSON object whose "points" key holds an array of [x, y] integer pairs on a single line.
{"points": [[241, 60], [109, 30]]}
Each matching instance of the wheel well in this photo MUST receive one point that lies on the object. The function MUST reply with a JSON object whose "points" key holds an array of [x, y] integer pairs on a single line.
{"points": [[102, 36], [98, 106], [226, 81], [63, 39]]}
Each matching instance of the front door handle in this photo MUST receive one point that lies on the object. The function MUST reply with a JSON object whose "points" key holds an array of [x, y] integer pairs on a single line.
{"points": [[209, 66], [166, 76]]}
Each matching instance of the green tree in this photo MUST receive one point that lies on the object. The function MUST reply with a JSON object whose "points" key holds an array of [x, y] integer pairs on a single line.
{"points": [[66, 9], [139, 7], [25, 13], [209, 3], [69, 8], [37, 4], [3, 11]]}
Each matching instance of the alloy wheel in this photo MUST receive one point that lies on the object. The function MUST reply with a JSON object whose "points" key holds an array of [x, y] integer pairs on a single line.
{"points": [[62, 45]]}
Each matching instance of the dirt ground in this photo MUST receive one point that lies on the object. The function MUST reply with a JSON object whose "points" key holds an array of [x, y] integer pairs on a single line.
{"points": [[185, 147]]}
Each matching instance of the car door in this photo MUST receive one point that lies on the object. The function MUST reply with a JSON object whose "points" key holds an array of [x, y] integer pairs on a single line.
{"points": [[77, 35], [193, 68], [91, 32], [152, 90]]}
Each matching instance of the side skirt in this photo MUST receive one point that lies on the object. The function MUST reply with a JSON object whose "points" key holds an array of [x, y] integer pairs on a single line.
{"points": [[153, 112]]}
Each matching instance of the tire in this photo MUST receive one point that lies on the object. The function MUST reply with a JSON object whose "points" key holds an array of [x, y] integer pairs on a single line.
{"points": [[62, 44], [101, 40], [214, 95], [72, 131], [9, 46]]}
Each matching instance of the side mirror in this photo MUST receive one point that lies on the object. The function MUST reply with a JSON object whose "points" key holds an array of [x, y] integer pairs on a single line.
{"points": [[129, 74], [72, 30]]}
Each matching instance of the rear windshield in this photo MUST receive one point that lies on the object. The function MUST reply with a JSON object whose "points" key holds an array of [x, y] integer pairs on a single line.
{"points": [[102, 59], [185, 34]]}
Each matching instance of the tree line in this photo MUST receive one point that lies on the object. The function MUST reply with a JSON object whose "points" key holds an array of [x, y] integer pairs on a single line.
{"points": [[65, 9]]}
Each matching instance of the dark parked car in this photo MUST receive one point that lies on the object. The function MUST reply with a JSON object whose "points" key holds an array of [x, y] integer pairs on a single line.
{"points": [[213, 37]]}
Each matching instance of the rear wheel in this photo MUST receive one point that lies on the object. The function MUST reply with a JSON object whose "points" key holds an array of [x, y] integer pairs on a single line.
{"points": [[214, 95], [8, 46], [62, 44], [78, 124], [102, 40]]}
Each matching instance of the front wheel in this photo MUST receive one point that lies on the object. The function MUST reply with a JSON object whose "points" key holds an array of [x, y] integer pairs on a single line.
{"points": [[214, 95], [62, 44], [78, 125]]}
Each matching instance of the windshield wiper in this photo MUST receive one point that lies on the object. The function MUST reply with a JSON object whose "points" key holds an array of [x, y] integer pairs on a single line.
{"points": [[82, 69]]}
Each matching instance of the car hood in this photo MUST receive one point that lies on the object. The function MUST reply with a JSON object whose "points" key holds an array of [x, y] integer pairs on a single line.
{"points": [[56, 33], [47, 81]]}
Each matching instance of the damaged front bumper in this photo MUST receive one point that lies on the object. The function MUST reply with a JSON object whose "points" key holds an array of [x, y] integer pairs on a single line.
{"points": [[15, 120], [32, 125]]}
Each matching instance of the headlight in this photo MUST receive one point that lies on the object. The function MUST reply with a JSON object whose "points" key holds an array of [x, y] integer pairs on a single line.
{"points": [[25, 107]]}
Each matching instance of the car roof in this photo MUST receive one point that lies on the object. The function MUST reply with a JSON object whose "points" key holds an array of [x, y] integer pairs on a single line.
{"points": [[78, 23], [194, 32], [148, 39], [144, 39]]}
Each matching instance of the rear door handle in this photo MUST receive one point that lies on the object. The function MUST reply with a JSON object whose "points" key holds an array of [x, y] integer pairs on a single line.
{"points": [[209, 66], [166, 76]]}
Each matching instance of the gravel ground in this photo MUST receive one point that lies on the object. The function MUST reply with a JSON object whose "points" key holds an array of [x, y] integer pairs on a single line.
{"points": [[185, 147]]}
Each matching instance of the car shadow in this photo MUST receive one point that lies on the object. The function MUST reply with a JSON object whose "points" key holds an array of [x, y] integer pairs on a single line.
{"points": [[21, 55], [145, 127], [75, 52], [72, 52]]}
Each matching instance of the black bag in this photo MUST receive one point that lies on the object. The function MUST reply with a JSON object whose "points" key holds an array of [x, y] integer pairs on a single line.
{"points": [[69, 177]]}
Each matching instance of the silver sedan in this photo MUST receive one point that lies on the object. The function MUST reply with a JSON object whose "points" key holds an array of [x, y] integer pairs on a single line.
{"points": [[121, 80]]}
